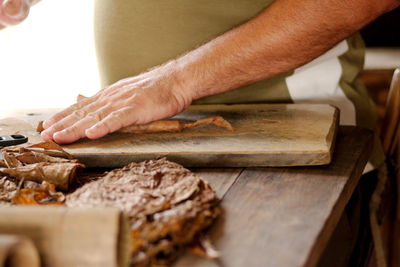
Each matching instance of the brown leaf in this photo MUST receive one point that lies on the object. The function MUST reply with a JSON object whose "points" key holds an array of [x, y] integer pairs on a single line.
{"points": [[50, 145], [174, 126], [45, 194], [40, 127], [10, 160], [60, 174], [2, 164], [153, 127], [217, 121], [204, 248]]}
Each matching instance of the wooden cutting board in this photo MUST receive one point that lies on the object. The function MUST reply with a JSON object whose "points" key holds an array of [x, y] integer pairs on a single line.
{"points": [[263, 135]]}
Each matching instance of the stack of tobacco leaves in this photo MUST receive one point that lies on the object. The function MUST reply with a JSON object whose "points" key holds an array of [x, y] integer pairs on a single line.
{"points": [[35, 163], [167, 205]]}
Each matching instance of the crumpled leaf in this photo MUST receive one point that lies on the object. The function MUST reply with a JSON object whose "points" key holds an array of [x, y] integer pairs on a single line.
{"points": [[204, 248], [167, 206], [50, 146], [174, 125], [59, 174], [43, 194], [8, 189], [3, 164], [217, 121], [33, 163]]}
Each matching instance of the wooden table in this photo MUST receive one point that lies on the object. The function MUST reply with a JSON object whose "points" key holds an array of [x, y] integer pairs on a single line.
{"points": [[283, 216], [280, 216]]}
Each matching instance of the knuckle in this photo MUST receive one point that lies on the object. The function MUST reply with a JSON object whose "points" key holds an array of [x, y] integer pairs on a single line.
{"points": [[78, 114], [95, 116], [73, 131], [115, 115], [57, 126]]}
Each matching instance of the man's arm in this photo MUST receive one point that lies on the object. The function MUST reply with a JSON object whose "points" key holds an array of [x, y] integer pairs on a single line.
{"points": [[288, 34]]}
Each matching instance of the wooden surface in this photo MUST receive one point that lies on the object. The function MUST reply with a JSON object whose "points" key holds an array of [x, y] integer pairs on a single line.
{"points": [[283, 216], [264, 135]]}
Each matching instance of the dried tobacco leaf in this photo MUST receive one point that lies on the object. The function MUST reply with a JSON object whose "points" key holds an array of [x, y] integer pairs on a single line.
{"points": [[43, 194], [175, 126], [204, 248], [217, 121], [33, 163], [153, 127], [50, 146], [59, 174], [40, 127], [167, 205], [3, 164], [8, 189]]}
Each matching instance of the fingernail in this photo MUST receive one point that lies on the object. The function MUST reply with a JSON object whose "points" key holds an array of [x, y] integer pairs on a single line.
{"points": [[45, 124], [45, 136]]}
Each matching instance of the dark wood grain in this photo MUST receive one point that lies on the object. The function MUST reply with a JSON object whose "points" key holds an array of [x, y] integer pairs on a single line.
{"points": [[220, 179], [285, 216]]}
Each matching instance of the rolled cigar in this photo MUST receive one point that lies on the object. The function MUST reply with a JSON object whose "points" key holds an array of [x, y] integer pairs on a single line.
{"points": [[18, 251], [71, 236]]}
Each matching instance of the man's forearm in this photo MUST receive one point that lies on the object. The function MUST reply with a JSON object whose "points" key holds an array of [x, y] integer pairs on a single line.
{"points": [[286, 35], [289, 33]]}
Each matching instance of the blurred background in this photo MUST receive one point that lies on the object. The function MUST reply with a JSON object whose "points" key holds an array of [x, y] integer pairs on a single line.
{"points": [[46, 61]]}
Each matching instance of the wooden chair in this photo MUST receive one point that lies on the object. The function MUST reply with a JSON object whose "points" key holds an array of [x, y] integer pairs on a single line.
{"points": [[387, 236], [390, 131], [391, 142]]}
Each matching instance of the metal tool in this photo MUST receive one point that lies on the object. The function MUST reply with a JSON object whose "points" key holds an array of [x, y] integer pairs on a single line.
{"points": [[13, 139]]}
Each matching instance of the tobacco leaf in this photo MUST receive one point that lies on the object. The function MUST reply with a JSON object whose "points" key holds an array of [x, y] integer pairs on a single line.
{"points": [[40, 127], [10, 160], [61, 174], [217, 121], [33, 163], [175, 126], [3, 164], [167, 205], [204, 248], [39, 194], [50, 146], [8, 189]]}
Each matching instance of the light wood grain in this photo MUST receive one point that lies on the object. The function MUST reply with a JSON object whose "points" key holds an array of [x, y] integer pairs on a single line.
{"points": [[264, 135], [285, 216]]}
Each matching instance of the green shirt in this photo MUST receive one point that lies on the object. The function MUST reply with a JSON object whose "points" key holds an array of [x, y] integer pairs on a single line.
{"points": [[135, 35]]}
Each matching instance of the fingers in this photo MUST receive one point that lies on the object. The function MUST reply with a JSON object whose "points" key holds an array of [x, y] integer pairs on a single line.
{"points": [[112, 122], [68, 118], [140, 99], [68, 111], [78, 130]]}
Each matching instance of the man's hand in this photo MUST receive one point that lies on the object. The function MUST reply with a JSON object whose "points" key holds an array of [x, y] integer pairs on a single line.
{"points": [[286, 35], [150, 96]]}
